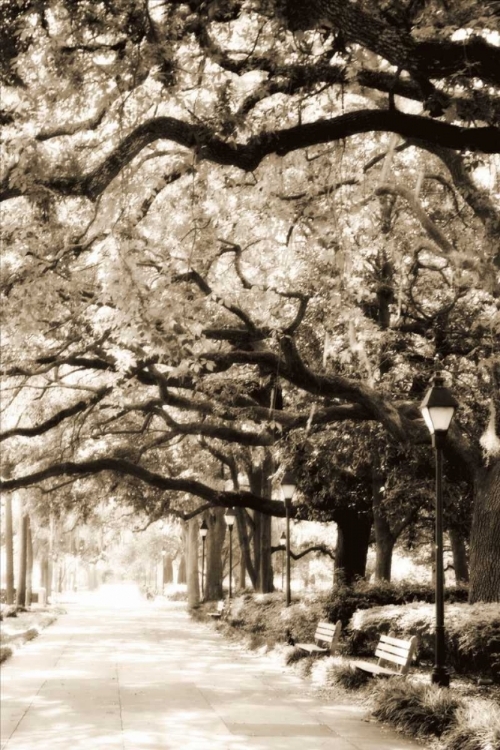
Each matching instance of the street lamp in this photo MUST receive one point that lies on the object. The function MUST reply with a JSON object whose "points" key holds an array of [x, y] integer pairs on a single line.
{"points": [[230, 517], [438, 408], [203, 534], [288, 489], [283, 543]]}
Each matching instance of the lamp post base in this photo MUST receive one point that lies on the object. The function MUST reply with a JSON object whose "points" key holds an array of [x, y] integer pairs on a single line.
{"points": [[440, 676]]}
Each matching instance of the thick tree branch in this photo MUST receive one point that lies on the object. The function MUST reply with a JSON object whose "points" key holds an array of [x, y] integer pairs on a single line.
{"points": [[127, 468], [281, 142]]}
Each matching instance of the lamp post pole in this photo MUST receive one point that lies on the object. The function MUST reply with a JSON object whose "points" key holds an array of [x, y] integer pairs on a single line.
{"points": [[230, 517], [283, 539], [203, 534], [438, 409], [288, 586], [288, 489], [440, 675]]}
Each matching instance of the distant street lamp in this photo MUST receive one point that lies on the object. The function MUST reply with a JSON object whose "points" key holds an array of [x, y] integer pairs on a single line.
{"points": [[288, 489], [230, 517], [283, 542], [203, 534], [438, 408]]}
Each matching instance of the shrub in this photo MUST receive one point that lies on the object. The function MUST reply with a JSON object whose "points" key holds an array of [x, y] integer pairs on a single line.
{"points": [[472, 632], [477, 727], [415, 708], [266, 620], [344, 600]]}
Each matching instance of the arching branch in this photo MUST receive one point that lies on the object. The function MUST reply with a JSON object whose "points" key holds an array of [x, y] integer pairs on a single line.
{"points": [[281, 142]]}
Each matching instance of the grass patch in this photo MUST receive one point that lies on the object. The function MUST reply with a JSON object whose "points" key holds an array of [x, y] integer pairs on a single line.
{"points": [[477, 727], [418, 710], [344, 674]]}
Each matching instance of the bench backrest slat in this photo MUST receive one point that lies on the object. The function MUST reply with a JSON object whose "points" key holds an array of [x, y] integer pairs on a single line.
{"points": [[390, 649], [327, 632], [394, 641], [396, 651]]}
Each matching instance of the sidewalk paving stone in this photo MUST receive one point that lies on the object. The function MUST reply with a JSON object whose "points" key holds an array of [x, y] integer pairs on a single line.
{"points": [[142, 677]]}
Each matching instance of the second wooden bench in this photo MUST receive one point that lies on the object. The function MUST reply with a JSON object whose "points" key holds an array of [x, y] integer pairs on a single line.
{"points": [[394, 657], [326, 639]]}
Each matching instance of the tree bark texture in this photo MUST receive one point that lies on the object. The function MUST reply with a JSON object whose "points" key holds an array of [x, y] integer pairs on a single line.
{"points": [[353, 539], [459, 552], [485, 537], [181, 573], [193, 577], [9, 550], [168, 570], [29, 563], [23, 550], [384, 538], [214, 547]]}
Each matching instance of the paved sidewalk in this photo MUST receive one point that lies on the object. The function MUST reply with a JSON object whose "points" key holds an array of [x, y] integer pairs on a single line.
{"points": [[147, 678]]}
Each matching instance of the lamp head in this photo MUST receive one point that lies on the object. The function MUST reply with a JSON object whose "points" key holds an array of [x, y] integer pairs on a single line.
{"points": [[288, 485], [230, 517], [203, 529], [438, 406]]}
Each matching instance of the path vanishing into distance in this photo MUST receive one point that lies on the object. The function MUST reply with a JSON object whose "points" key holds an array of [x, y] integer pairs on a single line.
{"points": [[118, 672]]}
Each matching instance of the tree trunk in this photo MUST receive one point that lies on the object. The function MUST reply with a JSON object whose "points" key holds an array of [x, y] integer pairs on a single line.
{"points": [[242, 583], [45, 574], [245, 545], [23, 551], [261, 485], [485, 535], [213, 561], [181, 573], [29, 564], [383, 559], [266, 567], [459, 552], [384, 538], [9, 550], [353, 539], [168, 570], [193, 577]]}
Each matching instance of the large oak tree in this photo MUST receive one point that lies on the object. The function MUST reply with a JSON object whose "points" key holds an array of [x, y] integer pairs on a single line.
{"points": [[207, 204]]}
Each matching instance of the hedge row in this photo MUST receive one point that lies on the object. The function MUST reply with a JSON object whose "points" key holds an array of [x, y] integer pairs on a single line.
{"points": [[344, 601]]}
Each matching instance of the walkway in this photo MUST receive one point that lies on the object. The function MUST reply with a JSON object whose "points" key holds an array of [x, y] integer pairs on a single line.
{"points": [[142, 677]]}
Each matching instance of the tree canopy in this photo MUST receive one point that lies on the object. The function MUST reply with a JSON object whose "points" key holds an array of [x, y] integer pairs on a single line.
{"points": [[228, 222]]}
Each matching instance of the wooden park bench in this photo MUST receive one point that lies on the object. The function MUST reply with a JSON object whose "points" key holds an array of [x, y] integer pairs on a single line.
{"points": [[221, 608], [394, 652], [326, 639]]}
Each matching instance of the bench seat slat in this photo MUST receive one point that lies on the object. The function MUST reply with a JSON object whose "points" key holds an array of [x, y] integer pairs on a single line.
{"points": [[368, 666], [311, 648]]}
